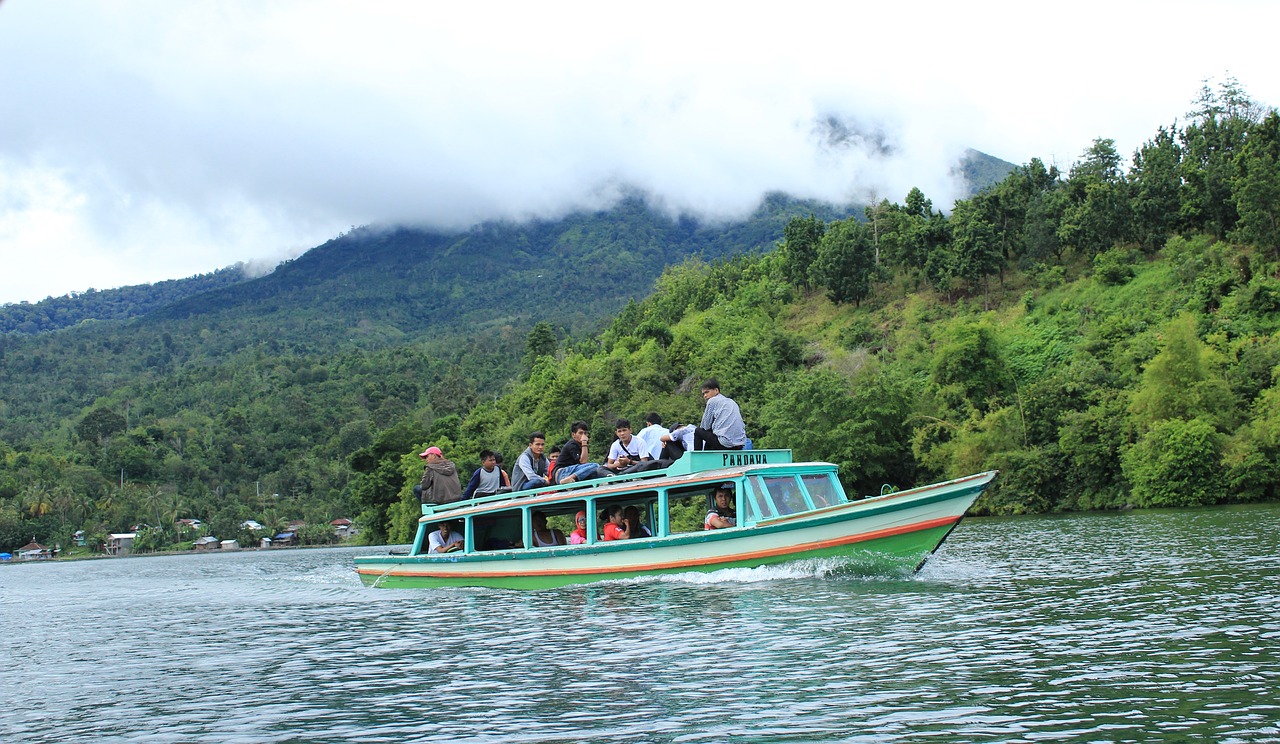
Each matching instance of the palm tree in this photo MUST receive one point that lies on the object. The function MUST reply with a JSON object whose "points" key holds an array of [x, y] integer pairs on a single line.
{"points": [[36, 500]]}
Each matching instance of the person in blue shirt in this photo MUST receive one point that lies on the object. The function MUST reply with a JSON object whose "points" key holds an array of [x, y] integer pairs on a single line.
{"points": [[722, 427]]}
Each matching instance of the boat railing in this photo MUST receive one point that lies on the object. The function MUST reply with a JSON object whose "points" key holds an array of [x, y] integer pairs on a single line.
{"points": [[688, 464]]}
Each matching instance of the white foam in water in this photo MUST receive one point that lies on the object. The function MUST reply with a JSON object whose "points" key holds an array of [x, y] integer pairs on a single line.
{"points": [[822, 568]]}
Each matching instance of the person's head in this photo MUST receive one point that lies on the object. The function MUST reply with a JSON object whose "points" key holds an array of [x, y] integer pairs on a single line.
{"points": [[555, 451], [723, 496], [537, 443], [497, 458], [432, 454], [445, 528], [487, 460], [580, 521], [623, 429], [579, 431], [710, 388], [631, 514], [653, 418], [612, 513], [539, 520]]}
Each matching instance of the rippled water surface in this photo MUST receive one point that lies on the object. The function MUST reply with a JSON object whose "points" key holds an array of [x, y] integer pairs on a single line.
{"points": [[1131, 627]]}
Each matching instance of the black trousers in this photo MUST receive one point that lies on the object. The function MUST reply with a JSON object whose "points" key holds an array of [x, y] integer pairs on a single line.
{"points": [[707, 440]]}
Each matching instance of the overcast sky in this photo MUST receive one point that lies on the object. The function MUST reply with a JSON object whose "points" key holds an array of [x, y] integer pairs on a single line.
{"points": [[149, 140]]}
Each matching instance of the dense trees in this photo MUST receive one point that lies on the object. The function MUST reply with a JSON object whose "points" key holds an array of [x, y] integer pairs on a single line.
{"points": [[1094, 335]]}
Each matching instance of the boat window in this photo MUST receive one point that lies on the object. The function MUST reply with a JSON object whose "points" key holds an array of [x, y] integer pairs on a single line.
{"points": [[687, 509], [785, 493], [498, 531], [646, 503], [822, 489], [757, 501]]}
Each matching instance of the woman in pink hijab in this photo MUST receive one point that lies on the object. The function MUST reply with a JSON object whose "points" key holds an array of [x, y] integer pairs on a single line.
{"points": [[579, 534]]}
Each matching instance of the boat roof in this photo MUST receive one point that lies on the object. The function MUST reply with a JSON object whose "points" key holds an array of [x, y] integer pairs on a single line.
{"points": [[694, 468]]}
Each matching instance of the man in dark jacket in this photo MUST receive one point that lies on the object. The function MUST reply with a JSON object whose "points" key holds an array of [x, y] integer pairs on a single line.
{"points": [[440, 483]]}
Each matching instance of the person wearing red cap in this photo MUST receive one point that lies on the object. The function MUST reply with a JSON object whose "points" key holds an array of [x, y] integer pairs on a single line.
{"points": [[440, 484]]}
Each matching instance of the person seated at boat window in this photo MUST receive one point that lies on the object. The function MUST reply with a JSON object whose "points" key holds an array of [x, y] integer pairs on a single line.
{"points": [[579, 534], [444, 540], [631, 516], [722, 513], [531, 465], [615, 525], [488, 478], [544, 536], [574, 462]]}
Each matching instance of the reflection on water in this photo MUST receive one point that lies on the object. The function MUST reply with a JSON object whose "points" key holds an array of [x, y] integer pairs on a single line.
{"points": [[1137, 626]]}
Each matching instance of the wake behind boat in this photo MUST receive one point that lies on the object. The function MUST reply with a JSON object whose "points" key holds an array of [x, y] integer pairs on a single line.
{"points": [[785, 511]]}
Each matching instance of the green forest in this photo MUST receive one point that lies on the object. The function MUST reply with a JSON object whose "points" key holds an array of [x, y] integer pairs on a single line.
{"points": [[1106, 337]]}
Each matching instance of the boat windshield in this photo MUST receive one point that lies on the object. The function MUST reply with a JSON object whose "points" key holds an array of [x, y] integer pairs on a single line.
{"points": [[780, 495]]}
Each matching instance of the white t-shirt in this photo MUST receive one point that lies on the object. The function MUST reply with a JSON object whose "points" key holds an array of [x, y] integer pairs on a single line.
{"points": [[684, 435], [651, 439], [634, 450], [437, 543]]}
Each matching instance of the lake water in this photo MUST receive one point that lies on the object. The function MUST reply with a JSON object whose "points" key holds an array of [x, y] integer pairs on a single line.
{"points": [[1151, 626]]}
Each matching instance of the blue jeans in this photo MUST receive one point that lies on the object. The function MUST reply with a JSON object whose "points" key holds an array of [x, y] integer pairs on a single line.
{"points": [[585, 471], [533, 483]]}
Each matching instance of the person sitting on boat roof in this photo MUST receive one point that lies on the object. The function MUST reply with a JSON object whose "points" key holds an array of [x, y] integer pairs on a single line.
{"points": [[651, 437], [531, 465], [544, 536], [631, 516], [722, 427], [722, 513], [579, 534], [488, 478], [444, 540], [574, 464], [440, 484], [626, 450], [615, 525]]}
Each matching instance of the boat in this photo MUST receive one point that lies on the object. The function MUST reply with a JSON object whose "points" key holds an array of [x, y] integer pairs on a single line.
{"points": [[786, 511]]}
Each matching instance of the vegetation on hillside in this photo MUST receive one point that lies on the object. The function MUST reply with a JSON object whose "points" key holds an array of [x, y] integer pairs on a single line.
{"points": [[1106, 337]]}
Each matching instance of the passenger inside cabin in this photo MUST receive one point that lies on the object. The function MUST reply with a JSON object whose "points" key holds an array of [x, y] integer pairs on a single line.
{"points": [[579, 534], [544, 536], [722, 513], [615, 525], [445, 539], [631, 516]]}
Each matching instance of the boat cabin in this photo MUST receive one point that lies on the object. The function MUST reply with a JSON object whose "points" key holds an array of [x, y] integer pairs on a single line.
{"points": [[766, 486]]}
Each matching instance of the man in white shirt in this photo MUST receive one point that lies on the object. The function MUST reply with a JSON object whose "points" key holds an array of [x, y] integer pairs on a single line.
{"points": [[651, 437], [626, 450], [444, 540]]}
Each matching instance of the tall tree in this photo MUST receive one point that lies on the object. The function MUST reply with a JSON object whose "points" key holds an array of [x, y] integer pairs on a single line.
{"points": [[1256, 191], [801, 239], [846, 261]]}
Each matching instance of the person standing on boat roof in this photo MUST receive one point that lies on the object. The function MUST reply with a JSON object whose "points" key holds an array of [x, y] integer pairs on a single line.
{"points": [[488, 478], [440, 484], [444, 540], [531, 465], [722, 427], [722, 513], [574, 464]]}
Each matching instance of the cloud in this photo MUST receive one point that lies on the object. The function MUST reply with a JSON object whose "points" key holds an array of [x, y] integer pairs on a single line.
{"points": [[144, 140]]}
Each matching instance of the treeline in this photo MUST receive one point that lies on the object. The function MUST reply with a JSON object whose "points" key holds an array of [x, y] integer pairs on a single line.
{"points": [[55, 313], [246, 402], [1106, 338]]}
